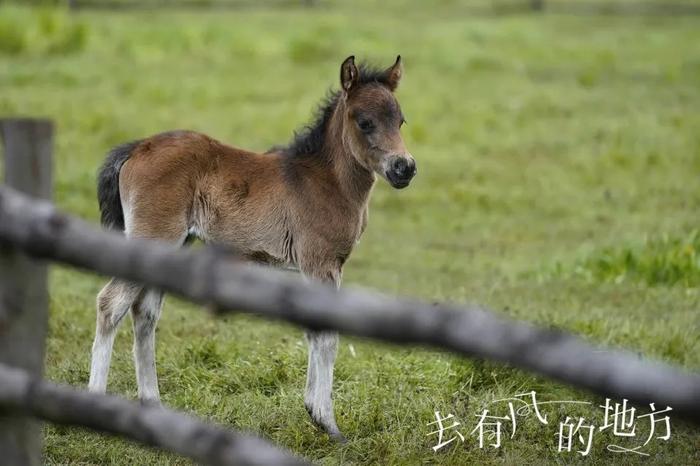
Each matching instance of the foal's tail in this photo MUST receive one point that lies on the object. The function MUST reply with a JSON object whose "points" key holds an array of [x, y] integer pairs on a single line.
{"points": [[112, 214]]}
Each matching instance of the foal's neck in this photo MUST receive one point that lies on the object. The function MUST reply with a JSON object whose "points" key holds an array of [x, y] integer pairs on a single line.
{"points": [[354, 180]]}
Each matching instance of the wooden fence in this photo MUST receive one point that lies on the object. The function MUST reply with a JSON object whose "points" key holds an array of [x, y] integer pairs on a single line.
{"points": [[32, 230]]}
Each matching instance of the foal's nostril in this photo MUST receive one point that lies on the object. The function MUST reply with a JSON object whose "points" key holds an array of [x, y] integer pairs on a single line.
{"points": [[412, 169], [400, 167]]}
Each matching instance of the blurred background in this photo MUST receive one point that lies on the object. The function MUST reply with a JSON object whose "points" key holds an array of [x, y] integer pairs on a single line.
{"points": [[559, 152]]}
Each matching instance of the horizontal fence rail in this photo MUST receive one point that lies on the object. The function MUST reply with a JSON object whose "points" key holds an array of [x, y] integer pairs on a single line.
{"points": [[225, 284], [155, 426]]}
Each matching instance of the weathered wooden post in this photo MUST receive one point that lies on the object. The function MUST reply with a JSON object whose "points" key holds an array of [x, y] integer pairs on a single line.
{"points": [[23, 283]]}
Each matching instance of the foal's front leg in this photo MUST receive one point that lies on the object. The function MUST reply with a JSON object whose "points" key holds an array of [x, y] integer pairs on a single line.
{"points": [[318, 398], [323, 346]]}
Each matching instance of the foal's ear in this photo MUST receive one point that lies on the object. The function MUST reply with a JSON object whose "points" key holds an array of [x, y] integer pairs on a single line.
{"points": [[393, 74], [348, 73]]}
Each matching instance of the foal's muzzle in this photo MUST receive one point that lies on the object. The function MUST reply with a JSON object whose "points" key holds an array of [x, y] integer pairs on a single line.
{"points": [[401, 171]]}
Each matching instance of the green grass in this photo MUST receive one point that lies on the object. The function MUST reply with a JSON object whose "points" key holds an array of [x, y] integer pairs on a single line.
{"points": [[558, 183], [658, 261], [41, 33]]}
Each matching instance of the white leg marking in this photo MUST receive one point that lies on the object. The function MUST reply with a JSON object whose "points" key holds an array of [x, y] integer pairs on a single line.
{"points": [[101, 356], [113, 303], [319, 380], [145, 314]]}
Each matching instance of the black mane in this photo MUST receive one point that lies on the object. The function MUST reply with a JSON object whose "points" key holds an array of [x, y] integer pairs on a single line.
{"points": [[309, 140]]}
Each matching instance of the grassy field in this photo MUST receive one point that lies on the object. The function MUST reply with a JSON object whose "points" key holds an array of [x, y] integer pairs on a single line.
{"points": [[559, 164]]}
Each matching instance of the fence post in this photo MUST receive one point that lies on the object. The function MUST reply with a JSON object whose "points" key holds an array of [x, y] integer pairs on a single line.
{"points": [[23, 283]]}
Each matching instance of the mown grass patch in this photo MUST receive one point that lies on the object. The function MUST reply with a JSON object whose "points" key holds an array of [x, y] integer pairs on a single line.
{"points": [[41, 32], [663, 260]]}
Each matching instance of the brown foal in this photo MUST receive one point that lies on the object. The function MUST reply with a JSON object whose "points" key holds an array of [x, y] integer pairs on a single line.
{"points": [[303, 206]]}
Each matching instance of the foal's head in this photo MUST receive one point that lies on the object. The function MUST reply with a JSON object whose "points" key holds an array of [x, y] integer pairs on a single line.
{"points": [[372, 121]]}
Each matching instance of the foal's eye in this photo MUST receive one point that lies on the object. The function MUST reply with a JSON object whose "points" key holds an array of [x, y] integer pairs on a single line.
{"points": [[366, 126]]}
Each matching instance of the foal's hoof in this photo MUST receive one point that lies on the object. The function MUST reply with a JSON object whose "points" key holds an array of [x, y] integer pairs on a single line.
{"points": [[328, 427], [333, 433], [338, 437], [150, 402]]}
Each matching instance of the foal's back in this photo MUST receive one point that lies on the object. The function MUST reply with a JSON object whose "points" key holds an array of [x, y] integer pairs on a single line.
{"points": [[179, 183]]}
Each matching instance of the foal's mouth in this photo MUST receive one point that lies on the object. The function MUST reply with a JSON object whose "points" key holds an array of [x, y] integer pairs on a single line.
{"points": [[396, 182], [399, 184]]}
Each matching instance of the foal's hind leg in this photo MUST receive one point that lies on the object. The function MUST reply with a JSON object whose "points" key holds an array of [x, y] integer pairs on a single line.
{"points": [[160, 220], [113, 303], [145, 313]]}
